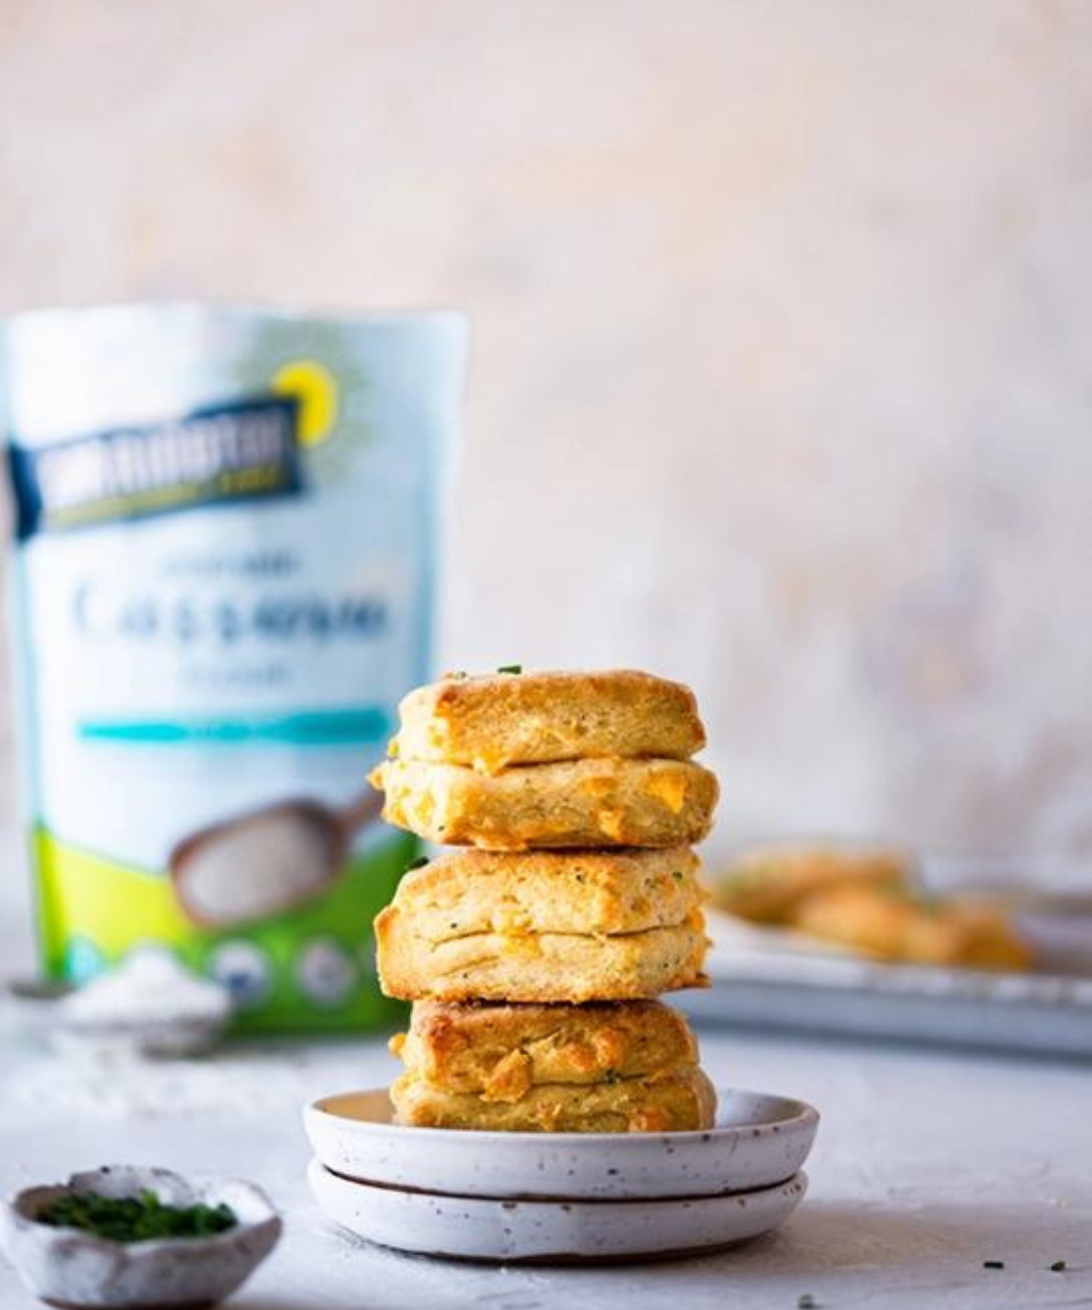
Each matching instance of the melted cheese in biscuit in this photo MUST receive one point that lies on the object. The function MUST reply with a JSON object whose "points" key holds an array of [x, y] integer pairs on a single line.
{"points": [[669, 788]]}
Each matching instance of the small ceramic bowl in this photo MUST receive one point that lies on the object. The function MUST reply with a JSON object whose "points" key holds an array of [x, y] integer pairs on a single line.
{"points": [[551, 1232], [72, 1268], [758, 1140]]}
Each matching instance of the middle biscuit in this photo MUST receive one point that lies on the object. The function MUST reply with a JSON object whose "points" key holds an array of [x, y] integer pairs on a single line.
{"points": [[545, 926], [602, 801]]}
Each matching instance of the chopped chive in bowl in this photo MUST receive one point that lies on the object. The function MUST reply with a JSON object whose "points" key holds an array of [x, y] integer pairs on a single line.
{"points": [[138, 1218]]}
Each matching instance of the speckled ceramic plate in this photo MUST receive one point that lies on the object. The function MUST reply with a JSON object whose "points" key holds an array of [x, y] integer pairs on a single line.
{"points": [[550, 1232], [759, 1140]]}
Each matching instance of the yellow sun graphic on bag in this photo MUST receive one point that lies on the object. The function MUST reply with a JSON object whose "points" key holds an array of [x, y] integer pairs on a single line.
{"points": [[315, 390]]}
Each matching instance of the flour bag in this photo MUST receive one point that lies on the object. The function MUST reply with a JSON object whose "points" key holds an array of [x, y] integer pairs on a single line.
{"points": [[226, 536]]}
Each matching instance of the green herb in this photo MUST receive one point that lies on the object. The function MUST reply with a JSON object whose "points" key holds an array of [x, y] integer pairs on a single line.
{"points": [[612, 1076], [805, 1301], [677, 876], [453, 926], [460, 675], [418, 863], [580, 877], [993, 1264], [510, 668], [135, 1218], [1058, 1267]]}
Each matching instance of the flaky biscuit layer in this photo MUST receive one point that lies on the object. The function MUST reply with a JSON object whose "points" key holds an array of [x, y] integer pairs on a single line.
{"points": [[580, 891], [592, 802], [491, 722], [569, 967], [501, 1051], [683, 1103]]}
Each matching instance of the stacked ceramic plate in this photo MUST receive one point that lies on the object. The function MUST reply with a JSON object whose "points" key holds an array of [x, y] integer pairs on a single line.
{"points": [[559, 1197]]}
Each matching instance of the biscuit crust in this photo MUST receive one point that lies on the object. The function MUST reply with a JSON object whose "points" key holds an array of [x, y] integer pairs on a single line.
{"points": [[488, 723], [589, 802], [571, 967], [679, 1103], [518, 892], [499, 1052]]}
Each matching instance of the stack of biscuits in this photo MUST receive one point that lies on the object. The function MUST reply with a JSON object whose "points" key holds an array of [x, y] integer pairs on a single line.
{"points": [[533, 953]]}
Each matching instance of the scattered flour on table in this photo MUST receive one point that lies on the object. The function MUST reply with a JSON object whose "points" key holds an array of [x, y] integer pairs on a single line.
{"points": [[242, 1080], [150, 987], [69, 1062]]}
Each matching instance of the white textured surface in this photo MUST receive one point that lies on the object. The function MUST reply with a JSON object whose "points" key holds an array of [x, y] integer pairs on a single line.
{"points": [[926, 1165]]}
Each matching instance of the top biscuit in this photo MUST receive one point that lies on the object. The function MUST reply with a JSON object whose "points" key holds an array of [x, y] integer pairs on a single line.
{"points": [[491, 722]]}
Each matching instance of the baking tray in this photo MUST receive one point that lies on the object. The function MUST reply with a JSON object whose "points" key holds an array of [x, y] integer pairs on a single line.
{"points": [[774, 978]]}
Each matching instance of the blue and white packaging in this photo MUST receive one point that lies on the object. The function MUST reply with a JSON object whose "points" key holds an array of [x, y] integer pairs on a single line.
{"points": [[228, 524]]}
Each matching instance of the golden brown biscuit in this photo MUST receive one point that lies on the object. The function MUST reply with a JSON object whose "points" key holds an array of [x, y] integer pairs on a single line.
{"points": [[516, 892], [594, 802], [491, 722], [768, 883], [986, 937], [888, 927], [499, 1052], [537, 966], [681, 1103]]}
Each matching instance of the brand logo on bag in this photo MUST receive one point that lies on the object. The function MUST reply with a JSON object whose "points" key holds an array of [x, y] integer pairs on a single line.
{"points": [[230, 452]]}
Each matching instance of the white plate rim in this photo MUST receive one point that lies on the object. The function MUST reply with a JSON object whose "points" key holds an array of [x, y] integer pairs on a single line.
{"points": [[459, 1216], [541, 1204], [806, 1117]]}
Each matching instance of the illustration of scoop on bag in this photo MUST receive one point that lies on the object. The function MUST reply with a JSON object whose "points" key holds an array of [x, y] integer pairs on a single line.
{"points": [[254, 865]]}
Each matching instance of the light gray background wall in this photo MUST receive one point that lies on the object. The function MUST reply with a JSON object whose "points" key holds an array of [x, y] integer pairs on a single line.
{"points": [[783, 311]]}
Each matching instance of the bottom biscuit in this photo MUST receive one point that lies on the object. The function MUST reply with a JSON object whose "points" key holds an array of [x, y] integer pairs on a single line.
{"points": [[500, 1051], [682, 1102]]}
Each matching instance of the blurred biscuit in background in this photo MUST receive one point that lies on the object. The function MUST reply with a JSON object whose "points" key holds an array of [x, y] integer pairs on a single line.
{"points": [[942, 931], [768, 883]]}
